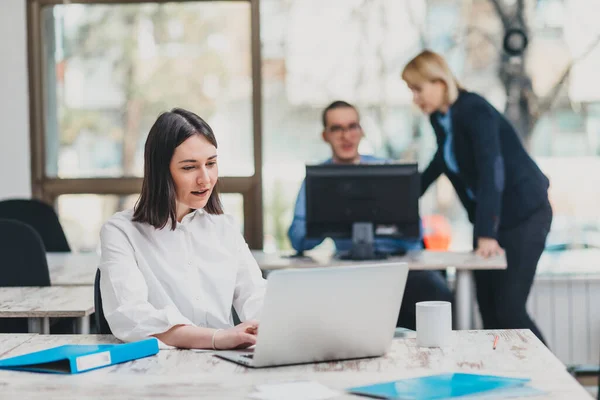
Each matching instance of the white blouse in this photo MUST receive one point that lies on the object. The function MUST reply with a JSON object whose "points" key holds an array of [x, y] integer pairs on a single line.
{"points": [[153, 279]]}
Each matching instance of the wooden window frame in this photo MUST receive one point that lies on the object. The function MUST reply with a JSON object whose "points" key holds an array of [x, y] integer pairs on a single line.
{"points": [[48, 189]]}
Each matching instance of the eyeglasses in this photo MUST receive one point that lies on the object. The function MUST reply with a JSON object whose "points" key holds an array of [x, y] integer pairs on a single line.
{"points": [[352, 129]]}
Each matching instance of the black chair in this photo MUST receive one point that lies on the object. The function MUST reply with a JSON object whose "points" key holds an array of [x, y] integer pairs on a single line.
{"points": [[23, 264], [23, 255], [101, 323], [41, 217]]}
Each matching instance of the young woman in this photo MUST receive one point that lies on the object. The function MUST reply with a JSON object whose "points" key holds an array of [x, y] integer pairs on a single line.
{"points": [[503, 190], [174, 266]]}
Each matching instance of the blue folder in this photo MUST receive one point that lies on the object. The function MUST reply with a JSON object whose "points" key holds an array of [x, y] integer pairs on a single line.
{"points": [[437, 386], [76, 358]]}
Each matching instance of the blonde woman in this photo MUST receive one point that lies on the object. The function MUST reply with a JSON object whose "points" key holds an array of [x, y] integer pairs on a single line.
{"points": [[501, 187]]}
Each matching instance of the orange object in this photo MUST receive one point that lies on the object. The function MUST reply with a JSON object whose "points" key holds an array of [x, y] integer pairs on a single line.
{"points": [[436, 232], [495, 342]]}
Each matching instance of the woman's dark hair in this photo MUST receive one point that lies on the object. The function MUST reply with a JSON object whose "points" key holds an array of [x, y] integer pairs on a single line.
{"points": [[157, 202]]}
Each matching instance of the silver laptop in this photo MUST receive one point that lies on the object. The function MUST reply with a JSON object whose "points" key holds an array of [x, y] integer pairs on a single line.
{"points": [[325, 314]]}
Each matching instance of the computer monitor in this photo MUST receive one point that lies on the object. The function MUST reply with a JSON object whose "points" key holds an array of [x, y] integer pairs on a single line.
{"points": [[362, 202]]}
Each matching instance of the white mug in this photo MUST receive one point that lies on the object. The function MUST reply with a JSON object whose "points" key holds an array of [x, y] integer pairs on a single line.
{"points": [[434, 323]]}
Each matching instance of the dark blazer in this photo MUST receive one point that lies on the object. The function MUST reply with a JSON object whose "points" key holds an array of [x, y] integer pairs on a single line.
{"points": [[507, 183]]}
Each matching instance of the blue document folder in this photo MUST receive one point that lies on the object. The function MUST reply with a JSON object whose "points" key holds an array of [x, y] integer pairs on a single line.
{"points": [[437, 386], [76, 358]]}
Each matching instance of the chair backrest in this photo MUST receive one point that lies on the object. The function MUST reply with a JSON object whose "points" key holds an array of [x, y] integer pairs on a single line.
{"points": [[101, 322], [41, 217], [23, 255]]}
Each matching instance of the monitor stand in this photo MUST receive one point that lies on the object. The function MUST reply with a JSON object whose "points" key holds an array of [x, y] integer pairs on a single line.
{"points": [[363, 244]]}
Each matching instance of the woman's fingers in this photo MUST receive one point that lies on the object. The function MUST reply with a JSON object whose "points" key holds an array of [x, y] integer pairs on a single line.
{"points": [[245, 340]]}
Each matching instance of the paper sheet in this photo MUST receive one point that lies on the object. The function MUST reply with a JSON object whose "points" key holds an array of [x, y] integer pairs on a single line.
{"points": [[306, 390]]}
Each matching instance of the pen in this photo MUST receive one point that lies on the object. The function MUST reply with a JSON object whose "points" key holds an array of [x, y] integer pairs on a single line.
{"points": [[495, 342]]}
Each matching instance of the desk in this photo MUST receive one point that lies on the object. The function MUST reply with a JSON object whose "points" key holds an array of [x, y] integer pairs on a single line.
{"points": [[12, 341], [464, 262], [71, 269], [186, 374], [574, 264], [39, 304]]}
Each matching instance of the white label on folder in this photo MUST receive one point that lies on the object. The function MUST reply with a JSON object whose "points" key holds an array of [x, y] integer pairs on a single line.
{"points": [[93, 361]]}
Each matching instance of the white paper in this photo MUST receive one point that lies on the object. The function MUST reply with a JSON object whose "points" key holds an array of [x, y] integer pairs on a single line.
{"points": [[294, 391]]}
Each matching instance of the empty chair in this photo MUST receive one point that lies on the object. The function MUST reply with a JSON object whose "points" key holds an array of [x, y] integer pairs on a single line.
{"points": [[23, 255], [23, 264], [41, 217], [101, 323]]}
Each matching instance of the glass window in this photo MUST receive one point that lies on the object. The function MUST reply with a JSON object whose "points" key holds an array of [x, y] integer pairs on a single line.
{"points": [[82, 215], [111, 69], [362, 47], [233, 204]]}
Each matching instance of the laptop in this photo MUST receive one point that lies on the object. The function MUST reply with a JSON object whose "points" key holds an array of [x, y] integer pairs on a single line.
{"points": [[326, 314]]}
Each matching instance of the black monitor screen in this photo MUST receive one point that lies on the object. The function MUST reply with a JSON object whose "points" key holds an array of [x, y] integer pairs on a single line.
{"points": [[386, 195]]}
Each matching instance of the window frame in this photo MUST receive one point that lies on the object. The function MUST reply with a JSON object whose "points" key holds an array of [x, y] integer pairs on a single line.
{"points": [[48, 189]]}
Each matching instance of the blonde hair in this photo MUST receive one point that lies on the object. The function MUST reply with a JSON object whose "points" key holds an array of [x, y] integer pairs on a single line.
{"points": [[430, 66]]}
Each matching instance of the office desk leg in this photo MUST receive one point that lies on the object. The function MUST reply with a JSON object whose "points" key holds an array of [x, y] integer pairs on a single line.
{"points": [[83, 325], [464, 299], [39, 325]]}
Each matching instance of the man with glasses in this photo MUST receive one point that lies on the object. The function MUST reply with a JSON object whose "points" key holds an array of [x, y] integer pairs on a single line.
{"points": [[343, 133]]}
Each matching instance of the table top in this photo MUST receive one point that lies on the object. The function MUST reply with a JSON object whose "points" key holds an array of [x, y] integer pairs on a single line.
{"points": [[48, 301], [189, 374], [72, 269], [9, 342], [416, 260], [574, 264], [79, 269]]}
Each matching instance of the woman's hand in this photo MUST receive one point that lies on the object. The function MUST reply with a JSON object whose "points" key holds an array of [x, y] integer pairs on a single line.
{"points": [[238, 337], [488, 247]]}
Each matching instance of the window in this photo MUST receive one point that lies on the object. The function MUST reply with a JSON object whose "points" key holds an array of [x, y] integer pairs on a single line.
{"points": [[98, 70], [102, 72], [82, 215], [362, 47]]}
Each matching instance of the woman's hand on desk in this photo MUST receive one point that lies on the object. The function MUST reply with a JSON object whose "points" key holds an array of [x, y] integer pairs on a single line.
{"points": [[238, 337], [488, 247], [195, 337]]}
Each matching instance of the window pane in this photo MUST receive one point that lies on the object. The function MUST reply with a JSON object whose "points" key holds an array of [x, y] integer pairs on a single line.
{"points": [[233, 204], [362, 47], [82, 215], [111, 69]]}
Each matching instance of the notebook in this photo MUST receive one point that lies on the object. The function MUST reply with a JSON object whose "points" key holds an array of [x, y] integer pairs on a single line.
{"points": [[76, 358], [437, 386]]}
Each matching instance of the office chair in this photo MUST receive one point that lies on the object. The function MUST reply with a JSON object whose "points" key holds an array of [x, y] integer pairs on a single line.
{"points": [[23, 255], [41, 217], [101, 323], [23, 264]]}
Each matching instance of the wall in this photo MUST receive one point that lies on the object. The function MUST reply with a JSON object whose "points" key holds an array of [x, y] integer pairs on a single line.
{"points": [[15, 167]]}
